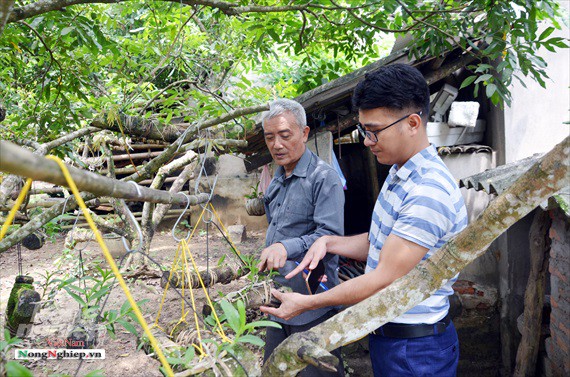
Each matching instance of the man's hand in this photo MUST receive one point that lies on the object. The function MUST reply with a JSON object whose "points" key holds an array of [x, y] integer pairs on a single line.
{"points": [[273, 257], [312, 258], [292, 304]]}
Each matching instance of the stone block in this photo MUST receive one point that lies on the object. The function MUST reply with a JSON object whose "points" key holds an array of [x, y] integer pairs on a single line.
{"points": [[231, 166], [237, 233]]}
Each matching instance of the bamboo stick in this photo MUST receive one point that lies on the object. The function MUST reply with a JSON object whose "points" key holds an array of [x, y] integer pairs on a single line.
{"points": [[17, 160], [136, 156], [137, 146]]}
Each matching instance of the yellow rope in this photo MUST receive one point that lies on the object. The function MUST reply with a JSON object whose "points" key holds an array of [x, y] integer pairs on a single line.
{"points": [[181, 257], [196, 321], [113, 266], [227, 234], [165, 290], [175, 266], [14, 209], [220, 329]]}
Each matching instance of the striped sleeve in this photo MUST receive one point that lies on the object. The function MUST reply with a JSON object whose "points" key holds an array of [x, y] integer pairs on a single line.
{"points": [[426, 216]]}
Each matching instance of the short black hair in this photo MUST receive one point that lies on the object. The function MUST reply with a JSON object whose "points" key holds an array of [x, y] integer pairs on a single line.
{"points": [[396, 87]]}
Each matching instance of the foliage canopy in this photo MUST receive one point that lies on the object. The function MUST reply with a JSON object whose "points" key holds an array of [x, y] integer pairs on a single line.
{"points": [[62, 62]]}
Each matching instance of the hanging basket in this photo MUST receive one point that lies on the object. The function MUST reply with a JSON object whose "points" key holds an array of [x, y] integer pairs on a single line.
{"points": [[115, 245], [21, 307], [255, 206], [34, 241]]}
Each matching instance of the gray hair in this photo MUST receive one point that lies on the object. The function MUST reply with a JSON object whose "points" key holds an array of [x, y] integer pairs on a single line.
{"points": [[281, 106]]}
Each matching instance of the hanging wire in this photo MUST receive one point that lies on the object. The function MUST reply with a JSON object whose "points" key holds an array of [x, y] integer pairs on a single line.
{"points": [[20, 269], [180, 218]]}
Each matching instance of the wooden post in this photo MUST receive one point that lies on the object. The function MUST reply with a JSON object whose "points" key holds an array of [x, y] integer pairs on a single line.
{"points": [[534, 295]]}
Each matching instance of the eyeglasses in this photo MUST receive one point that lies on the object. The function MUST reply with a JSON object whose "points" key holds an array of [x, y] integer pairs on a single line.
{"points": [[373, 135]]}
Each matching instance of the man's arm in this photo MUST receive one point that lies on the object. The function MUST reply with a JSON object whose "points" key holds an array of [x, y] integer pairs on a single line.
{"points": [[354, 247], [397, 258]]}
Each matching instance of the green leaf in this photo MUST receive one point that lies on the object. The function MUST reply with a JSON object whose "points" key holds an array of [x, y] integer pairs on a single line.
{"points": [[242, 317], [175, 361], [126, 307], [189, 354], [129, 327], [484, 77], [13, 368], [96, 373], [251, 339], [66, 30], [468, 81], [490, 90], [100, 293], [232, 315], [76, 297], [546, 33], [483, 67], [255, 324]]}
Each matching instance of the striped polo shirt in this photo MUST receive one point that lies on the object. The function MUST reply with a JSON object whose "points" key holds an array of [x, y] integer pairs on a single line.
{"points": [[419, 202]]}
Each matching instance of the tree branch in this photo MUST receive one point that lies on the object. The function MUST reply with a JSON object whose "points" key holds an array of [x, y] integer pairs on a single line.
{"points": [[5, 11], [153, 129], [231, 9]]}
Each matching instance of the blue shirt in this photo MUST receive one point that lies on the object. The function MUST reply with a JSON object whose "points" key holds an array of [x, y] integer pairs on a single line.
{"points": [[421, 203], [300, 209]]}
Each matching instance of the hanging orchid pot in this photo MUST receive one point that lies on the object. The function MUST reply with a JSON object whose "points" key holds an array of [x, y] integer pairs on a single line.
{"points": [[255, 206]]}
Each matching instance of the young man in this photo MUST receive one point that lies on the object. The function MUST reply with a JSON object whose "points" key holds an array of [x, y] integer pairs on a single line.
{"points": [[419, 208], [303, 202]]}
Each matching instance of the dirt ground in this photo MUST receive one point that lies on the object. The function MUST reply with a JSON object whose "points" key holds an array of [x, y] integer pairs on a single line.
{"points": [[122, 357]]}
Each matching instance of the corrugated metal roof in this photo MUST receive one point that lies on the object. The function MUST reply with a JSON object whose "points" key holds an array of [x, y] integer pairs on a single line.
{"points": [[497, 180], [470, 148]]}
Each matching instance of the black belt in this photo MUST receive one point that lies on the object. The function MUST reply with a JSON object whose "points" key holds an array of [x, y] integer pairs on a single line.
{"points": [[403, 330]]}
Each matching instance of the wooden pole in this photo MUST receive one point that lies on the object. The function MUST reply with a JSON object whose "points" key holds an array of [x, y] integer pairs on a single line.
{"points": [[17, 160], [534, 296]]}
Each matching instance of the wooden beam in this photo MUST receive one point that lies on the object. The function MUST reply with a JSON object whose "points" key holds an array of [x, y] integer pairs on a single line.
{"points": [[527, 353], [17, 160]]}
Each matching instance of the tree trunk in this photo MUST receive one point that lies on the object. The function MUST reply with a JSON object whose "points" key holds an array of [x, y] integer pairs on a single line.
{"points": [[14, 159], [155, 130], [222, 274], [542, 180], [253, 297], [10, 183], [534, 295], [5, 10]]}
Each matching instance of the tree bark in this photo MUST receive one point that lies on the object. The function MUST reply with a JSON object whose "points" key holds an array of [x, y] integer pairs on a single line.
{"points": [[542, 180], [5, 10], [222, 274], [11, 182], [527, 353], [155, 130], [16, 160]]}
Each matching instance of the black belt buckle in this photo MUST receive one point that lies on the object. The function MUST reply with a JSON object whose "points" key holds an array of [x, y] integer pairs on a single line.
{"points": [[403, 330]]}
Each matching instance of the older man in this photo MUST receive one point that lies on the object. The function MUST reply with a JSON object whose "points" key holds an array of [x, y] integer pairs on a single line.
{"points": [[418, 210], [303, 202]]}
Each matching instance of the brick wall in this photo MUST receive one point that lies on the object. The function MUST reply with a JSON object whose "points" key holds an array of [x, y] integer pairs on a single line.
{"points": [[558, 345]]}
